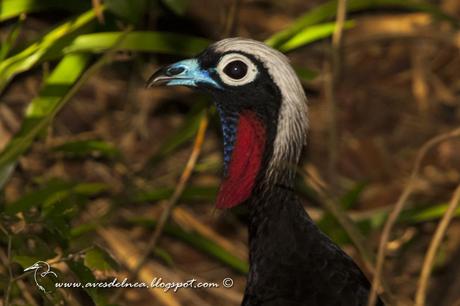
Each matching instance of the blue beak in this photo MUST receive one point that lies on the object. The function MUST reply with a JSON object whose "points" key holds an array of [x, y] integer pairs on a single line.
{"points": [[186, 73]]}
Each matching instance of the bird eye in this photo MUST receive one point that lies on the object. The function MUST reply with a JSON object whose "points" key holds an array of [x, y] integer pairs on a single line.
{"points": [[236, 69]]}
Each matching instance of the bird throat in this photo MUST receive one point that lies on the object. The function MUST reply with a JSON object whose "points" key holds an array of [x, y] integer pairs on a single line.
{"points": [[244, 146]]}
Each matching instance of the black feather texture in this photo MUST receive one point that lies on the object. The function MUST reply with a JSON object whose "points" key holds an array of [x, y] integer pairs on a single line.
{"points": [[292, 262]]}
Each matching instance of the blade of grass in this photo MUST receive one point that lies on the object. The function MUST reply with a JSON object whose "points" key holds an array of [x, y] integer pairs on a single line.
{"points": [[159, 42], [49, 191], [90, 147], [65, 80], [420, 296], [311, 34], [329, 224], [10, 40], [189, 194], [328, 10], [199, 242], [123, 248], [180, 136], [427, 214], [177, 6], [35, 52], [5, 172], [182, 183], [399, 206], [13, 8], [305, 74], [41, 111], [85, 275], [345, 222], [132, 10], [375, 219]]}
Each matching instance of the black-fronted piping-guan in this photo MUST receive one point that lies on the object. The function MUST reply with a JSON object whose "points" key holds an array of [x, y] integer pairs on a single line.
{"points": [[263, 112]]}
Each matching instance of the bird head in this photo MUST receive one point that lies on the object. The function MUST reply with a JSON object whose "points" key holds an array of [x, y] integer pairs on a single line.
{"points": [[262, 107]]}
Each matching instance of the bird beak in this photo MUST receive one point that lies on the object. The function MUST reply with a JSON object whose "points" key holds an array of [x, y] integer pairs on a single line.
{"points": [[186, 73], [33, 267]]}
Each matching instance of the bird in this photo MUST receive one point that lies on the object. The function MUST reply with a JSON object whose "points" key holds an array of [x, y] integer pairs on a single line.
{"points": [[263, 112], [41, 265]]}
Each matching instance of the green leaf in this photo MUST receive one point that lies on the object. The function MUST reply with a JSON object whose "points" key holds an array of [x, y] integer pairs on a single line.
{"points": [[306, 74], [311, 34], [41, 111], [409, 216], [25, 261], [37, 198], [85, 276], [328, 10], [189, 194], [132, 10], [6, 172], [52, 42], [330, 225], [13, 8], [425, 214], [28, 248], [58, 224], [98, 259], [9, 42], [179, 7], [199, 242], [85, 148], [82, 272], [164, 255], [313, 16], [64, 40], [90, 189], [351, 198], [81, 229], [53, 192], [159, 42], [185, 133]]}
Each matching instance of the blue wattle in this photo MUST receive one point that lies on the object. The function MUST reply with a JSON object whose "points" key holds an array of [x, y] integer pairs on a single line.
{"points": [[229, 123]]}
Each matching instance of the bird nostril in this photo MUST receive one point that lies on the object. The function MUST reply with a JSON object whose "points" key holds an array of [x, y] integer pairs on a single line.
{"points": [[174, 71]]}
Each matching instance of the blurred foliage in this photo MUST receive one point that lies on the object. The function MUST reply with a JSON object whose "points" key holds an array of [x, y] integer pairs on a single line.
{"points": [[73, 49]]}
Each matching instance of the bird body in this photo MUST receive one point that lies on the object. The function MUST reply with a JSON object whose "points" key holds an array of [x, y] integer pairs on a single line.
{"points": [[263, 112], [292, 262]]}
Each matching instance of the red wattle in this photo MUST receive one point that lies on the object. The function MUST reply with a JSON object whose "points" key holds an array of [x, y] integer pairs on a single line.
{"points": [[245, 161]]}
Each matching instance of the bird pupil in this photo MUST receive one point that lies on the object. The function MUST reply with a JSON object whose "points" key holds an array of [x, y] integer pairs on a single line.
{"points": [[236, 69]]}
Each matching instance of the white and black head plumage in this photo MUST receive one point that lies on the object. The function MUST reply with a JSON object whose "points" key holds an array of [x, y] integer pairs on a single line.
{"points": [[292, 120], [243, 74]]}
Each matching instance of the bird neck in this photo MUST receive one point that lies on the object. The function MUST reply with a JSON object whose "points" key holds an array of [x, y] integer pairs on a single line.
{"points": [[278, 225], [249, 154], [268, 201], [291, 262]]}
